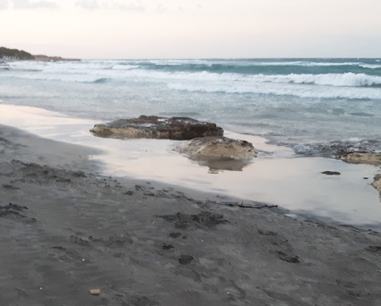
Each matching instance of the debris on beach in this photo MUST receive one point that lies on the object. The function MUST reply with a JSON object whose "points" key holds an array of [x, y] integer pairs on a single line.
{"points": [[95, 291], [176, 128]]}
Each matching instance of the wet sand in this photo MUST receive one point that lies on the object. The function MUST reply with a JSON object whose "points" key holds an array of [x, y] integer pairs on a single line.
{"points": [[276, 176], [65, 229]]}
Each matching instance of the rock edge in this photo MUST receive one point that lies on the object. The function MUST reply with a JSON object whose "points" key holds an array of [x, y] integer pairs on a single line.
{"points": [[175, 128]]}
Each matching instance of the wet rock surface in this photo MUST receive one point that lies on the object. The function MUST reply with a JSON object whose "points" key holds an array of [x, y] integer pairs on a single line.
{"points": [[177, 128], [218, 147], [337, 148], [371, 158], [377, 182]]}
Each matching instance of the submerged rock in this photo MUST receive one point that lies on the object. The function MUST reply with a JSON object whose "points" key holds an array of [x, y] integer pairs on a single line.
{"points": [[218, 147], [361, 157], [177, 128]]}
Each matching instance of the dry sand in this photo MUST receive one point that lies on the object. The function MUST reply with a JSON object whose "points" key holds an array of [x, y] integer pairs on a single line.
{"points": [[68, 230]]}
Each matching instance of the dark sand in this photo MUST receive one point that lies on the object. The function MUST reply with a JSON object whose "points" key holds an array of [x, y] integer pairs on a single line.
{"points": [[146, 244]]}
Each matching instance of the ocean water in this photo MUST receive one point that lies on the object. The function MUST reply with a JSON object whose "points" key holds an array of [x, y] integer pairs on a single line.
{"points": [[310, 105], [302, 109]]}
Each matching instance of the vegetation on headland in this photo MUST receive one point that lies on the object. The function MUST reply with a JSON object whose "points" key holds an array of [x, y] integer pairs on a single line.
{"points": [[15, 54]]}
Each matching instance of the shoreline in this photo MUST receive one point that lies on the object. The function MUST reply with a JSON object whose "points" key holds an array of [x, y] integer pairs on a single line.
{"points": [[276, 176], [69, 230]]}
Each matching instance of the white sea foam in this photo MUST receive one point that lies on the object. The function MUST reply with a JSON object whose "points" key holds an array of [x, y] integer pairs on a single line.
{"points": [[303, 63], [124, 67], [346, 79], [346, 85], [370, 66], [331, 79], [305, 91]]}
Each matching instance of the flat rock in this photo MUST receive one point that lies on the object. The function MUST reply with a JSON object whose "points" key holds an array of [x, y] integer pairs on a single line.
{"points": [[371, 158], [218, 147], [177, 128]]}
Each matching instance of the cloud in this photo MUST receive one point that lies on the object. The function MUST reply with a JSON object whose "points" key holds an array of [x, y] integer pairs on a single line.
{"points": [[114, 4], [90, 5], [160, 8], [3, 4], [26, 4]]}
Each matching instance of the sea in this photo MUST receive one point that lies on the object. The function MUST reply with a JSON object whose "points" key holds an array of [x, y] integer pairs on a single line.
{"points": [[309, 107]]}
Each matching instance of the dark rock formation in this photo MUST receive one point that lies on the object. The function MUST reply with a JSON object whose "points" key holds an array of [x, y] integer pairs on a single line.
{"points": [[15, 54], [45, 58], [177, 128]]}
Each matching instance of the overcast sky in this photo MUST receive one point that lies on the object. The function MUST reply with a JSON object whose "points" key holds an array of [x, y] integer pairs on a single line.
{"points": [[193, 28]]}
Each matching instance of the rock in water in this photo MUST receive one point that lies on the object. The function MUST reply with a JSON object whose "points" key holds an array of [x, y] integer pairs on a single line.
{"points": [[218, 147], [331, 172], [361, 158], [377, 183], [177, 128]]}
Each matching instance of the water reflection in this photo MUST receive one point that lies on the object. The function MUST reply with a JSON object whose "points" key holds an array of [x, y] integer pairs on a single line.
{"points": [[217, 165]]}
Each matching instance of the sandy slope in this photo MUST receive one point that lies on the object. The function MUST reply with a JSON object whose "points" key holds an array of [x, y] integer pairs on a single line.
{"points": [[145, 244]]}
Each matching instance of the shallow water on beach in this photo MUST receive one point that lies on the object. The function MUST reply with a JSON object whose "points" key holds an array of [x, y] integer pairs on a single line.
{"points": [[276, 176]]}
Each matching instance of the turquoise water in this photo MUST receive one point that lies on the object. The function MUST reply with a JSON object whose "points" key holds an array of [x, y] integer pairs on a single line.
{"points": [[302, 103]]}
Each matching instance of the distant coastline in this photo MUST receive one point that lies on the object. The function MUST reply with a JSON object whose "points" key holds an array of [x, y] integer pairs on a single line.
{"points": [[7, 54]]}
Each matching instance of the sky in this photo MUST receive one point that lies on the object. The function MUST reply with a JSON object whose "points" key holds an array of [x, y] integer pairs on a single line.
{"points": [[118, 29]]}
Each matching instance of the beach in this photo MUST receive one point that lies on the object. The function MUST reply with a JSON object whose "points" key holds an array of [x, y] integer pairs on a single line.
{"points": [[90, 220], [182, 153], [67, 230]]}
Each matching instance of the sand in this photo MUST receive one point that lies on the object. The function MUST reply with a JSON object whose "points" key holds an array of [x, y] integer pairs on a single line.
{"points": [[66, 230]]}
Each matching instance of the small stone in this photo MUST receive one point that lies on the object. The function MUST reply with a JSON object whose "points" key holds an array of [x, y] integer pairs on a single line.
{"points": [[289, 258], [330, 173], [95, 291]]}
